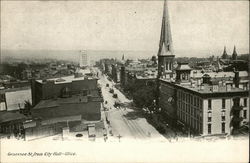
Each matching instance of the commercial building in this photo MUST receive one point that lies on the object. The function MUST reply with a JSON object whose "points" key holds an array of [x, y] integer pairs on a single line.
{"points": [[60, 87], [72, 102], [14, 98], [204, 107], [202, 103], [83, 59]]}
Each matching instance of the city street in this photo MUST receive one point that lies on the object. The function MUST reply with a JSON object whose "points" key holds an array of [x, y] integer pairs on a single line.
{"points": [[124, 123]]}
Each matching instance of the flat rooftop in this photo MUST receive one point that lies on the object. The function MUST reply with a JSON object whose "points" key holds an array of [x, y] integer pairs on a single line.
{"points": [[198, 74], [67, 79], [88, 108], [6, 116], [209, 89]]}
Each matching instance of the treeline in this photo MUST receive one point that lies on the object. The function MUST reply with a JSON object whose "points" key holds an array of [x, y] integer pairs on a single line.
{"points": [[143, 94], [16, 69], [244, 57]]}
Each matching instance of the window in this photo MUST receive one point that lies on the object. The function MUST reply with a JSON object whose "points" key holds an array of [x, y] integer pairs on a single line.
{"points": [[209, 117], [245, 102], [192, 100], [166, 65], [245, 114], [201, 103], [223, 128], [223, 117], [223, 103], [209, 104], [236, 102], [197, 114], [209, 128]]}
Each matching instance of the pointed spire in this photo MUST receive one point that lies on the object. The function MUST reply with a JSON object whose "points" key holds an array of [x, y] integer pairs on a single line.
{"points": [[224, 55], [165, 46], [123, 57], [225, 50], [234, 55]]}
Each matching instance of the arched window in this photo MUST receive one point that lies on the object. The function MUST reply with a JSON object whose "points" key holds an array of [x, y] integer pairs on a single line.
{"points": [[166, 65]]}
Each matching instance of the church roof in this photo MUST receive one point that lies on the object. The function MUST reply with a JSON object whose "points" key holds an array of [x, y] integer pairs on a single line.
{"points": [[165, 46]]}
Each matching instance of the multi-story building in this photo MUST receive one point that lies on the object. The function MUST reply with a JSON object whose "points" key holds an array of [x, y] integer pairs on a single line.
{"points": [[202, 103], [73, 102], [14, 98], [204, 108], [65, 86], [83, 59]]}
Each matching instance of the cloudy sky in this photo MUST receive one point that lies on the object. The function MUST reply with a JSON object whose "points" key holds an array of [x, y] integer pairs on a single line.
{"points": [[129, 25]]}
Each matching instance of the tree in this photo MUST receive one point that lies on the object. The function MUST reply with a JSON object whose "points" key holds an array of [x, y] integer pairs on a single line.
{"points": [[27, 108], [144, 96]]}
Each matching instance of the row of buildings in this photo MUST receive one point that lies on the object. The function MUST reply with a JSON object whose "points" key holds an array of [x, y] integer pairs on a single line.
{"points": [[68, 105], [203, 103], [199, 100]]}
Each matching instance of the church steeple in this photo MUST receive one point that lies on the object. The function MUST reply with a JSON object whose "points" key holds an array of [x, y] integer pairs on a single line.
{"points": [[224, 55], [165, 52], [234, 55], [165, 46]]}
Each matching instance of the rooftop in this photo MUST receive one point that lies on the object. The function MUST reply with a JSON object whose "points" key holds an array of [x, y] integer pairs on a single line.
{"points": [[67, 79], [6, 116], [218, 74], [183, 66], [88, 107], [205, 88]]}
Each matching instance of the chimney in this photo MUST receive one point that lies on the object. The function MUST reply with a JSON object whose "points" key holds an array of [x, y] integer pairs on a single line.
{"points": [[215, 88], [202, 87], [236, 79], [223, 83], [228, 87], [199, 82], [220, 83]]}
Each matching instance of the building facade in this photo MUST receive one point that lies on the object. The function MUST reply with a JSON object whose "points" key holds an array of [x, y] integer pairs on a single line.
{"points": [[214, 103], [59, 87]]}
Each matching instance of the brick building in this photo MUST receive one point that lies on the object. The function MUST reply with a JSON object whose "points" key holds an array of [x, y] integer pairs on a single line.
{"points": [[202, 103], [65, 86]]}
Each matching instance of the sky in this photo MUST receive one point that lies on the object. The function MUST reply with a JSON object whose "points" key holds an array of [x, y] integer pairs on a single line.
{"points": [[127, 25]]}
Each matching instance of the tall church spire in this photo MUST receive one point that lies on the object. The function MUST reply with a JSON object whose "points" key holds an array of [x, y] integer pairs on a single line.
{"points": [[165, 46], [234, 55], [224, 55], [165, 52]]}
